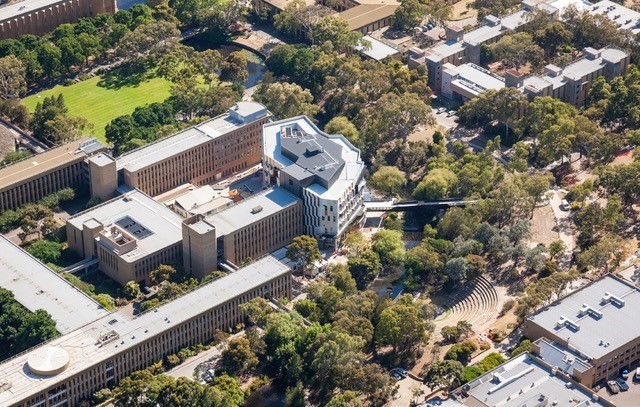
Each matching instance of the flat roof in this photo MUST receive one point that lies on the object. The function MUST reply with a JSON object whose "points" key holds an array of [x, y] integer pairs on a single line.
{"points": [[85, 351], [364, 14], [623, 17], [34, 165], [476, 79], [16, 9], [522, 381], [36, 286], [350, 172], [251, 210], [601, 332], [187, 139], [378, 50], [162, 227]]}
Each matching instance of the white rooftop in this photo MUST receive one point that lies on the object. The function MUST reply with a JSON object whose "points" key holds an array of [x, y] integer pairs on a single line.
{"points": [[35, 286], [23, 7], [623, 17], [524, 381], [476, 79], [82, 344], [187, 139], [165, 225], [597, 334], [378, 50], [350, 173], [257, 207]]}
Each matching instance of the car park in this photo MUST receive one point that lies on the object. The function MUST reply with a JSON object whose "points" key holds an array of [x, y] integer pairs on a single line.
{"points": [[622, 384], [402, 372], [613, 387]]}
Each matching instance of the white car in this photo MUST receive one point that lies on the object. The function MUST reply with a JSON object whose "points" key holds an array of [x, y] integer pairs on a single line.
{"points": [[564, 205], [452, 113], [441, 110]]}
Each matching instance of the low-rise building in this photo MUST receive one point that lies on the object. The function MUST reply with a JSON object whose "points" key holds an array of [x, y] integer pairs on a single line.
{"points": [[522, 381], [595, 329], [31, 179], [323, 170], [378, 50], [130, 235], [36, 286], [467, 81], [72, 367]]}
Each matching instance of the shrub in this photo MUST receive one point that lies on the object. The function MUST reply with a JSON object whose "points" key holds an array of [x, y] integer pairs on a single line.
{"points": [[490, 362], [46, 251], [172, 360], [68, 82], [471, 373], [524, 346]]}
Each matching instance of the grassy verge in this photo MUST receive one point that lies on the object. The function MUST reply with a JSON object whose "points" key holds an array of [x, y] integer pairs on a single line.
{"points": [[101, 99]]}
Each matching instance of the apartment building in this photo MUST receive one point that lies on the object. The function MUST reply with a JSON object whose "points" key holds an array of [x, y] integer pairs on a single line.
{"points": [[36, 286], [200, 155], [467, 81], [130, 235], [33, 178], [323, 170], [72, 367], [592, 333], [522, 381], [572, 83], [39, 17]]}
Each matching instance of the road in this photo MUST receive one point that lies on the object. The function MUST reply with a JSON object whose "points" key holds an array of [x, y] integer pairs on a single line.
{"points": [[565, 228]]}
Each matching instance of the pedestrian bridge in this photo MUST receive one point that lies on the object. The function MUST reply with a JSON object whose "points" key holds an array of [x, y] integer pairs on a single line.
{"points": [[395, 205]]}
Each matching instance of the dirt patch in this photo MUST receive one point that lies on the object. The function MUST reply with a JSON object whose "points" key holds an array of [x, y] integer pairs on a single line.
{"points": [[543, 226], [461, 10]]}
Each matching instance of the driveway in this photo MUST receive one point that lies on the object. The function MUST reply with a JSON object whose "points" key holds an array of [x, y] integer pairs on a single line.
{"points": [[564, 226]]}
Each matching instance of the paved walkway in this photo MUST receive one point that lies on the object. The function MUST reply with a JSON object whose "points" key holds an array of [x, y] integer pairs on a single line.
{"points": [[564, 226]]}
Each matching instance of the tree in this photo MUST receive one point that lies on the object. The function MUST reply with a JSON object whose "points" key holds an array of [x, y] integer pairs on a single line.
{"points": [[119, 131], [556, 248], [355, 242], [297, 17], [50, 108], [604, 255], [62, 129], [364, 268], [234, 68], [408, 15], [170, 291], [450, 334], [457, 268], [304, 249], [238, 358], [342, 125], [288, 100], [131, 290], [256, 311], [437, 184], [12, 77], [340, 276], [389, 246], [446, 374], [401, 326], [336, 30], [46, 251], [553, 37], [294, 396], [148, 43], [389, 179], [440, 12], [461, 352], [162, 273]]}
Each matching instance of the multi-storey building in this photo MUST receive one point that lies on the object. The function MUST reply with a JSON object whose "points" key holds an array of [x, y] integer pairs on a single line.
{"points": [[130, 235], [524, 381], [324, 170], [36, 286], [592, 333], [41, 16], [72, 367], [31, 179], [202, 154]]}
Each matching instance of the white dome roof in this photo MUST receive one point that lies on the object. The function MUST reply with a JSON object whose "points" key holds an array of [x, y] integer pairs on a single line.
{"points": [[48, 361]]}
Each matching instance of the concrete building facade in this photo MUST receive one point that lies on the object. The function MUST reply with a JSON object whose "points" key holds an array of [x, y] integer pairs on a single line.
{"points": [[202, 154], [592, 333], [104, 352], [130, 235], [39, 17], [33, 178], [324, 170]]}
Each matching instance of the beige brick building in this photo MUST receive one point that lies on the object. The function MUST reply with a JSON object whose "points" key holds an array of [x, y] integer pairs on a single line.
{"points": [[200, 155], [104, 352], [592, 333], [31, 179], [130, 235]]}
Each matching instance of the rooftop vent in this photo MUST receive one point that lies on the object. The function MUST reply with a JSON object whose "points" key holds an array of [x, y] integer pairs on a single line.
{"points": [[256, 209], [610, 298], [108, 337], [563, 321], [587, 309]]}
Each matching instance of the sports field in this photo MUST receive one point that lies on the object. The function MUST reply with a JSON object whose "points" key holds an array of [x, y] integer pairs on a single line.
{"points": [[100, 103]]}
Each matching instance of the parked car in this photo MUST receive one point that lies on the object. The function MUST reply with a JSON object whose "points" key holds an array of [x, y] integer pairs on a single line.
{"points": [[613, 387], [637, 375], [396, 375], [441, 109], [430, 26], [402, 372], [564, 205], [452, 113], [622, 383]]}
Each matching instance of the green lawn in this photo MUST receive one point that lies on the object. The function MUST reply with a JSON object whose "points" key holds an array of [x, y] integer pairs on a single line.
{"points": [[100, 104]]}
